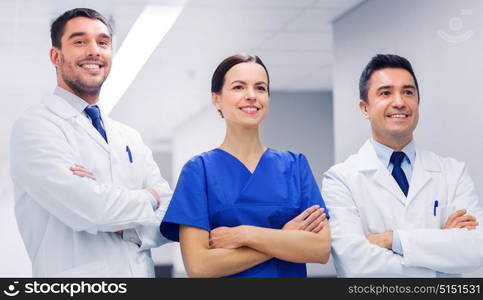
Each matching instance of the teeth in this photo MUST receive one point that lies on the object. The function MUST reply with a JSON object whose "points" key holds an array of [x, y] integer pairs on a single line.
{"points": [[91, 66], [398, 116], [250, 109]]}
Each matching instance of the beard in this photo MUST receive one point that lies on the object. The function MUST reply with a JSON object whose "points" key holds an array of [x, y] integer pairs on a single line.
{"points": [[77, 83]]}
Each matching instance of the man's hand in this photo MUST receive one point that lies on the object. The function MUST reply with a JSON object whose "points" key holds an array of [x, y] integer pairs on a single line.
{"points": [[459, 219], [155, 195], [383, 240], [82, 171], [312, 219]]}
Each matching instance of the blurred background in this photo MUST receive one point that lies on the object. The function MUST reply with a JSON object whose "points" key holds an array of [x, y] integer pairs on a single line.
{"points": [[315, 50]]}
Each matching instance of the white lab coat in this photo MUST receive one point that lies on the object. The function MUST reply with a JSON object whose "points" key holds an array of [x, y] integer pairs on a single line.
{"points": [[68, 223], [363, 198]]}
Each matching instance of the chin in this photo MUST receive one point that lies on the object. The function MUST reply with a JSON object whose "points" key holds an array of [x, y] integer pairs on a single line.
{"points": [[401, 135], [94, 85], [250, 124]]}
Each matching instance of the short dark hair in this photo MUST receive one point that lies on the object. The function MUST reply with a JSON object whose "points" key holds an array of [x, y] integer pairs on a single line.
{"points": [[218, 78], [58, 26], [383, 61]]}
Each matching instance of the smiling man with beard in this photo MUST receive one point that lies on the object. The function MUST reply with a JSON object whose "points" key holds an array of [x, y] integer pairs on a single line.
{"points": [[398, 210], [88, 195]]}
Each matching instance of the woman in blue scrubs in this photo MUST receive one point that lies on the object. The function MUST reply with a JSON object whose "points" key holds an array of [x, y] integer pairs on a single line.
{"points": [[242, 209]]}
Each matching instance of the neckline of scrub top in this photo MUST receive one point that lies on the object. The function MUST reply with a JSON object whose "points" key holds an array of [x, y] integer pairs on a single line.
{"points": [[240, 162]]}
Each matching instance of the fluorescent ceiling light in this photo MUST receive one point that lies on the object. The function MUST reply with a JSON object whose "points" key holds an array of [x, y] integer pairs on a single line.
{"points": [[147, 32]]}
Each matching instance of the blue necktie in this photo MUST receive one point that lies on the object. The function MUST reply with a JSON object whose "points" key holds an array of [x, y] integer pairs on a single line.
{"points": [[94, 113], [397, 172]]}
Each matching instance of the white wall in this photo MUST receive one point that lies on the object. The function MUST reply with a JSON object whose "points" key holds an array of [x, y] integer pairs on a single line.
{"points": [[300, 122], [448, 71], [14, 260]]}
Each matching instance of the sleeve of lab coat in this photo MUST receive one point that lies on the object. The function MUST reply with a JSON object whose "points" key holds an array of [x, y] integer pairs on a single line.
{"points": [[40, 162], [449, 250], [354, 255], [149, 234]]}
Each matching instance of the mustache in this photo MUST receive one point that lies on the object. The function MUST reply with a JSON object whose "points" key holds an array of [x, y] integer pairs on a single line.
{"points": [[91, 60]]}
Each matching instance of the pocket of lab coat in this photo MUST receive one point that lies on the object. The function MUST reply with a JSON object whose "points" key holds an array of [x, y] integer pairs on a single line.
{"points": [[435, 221], [94, 269], [133, 172]]}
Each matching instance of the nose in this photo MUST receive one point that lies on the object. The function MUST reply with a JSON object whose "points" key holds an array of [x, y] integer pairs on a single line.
{"points": [[93, 49], [251, 95], [398, 101]]}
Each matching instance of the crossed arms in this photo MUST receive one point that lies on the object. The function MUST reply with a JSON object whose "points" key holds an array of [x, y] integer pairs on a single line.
{"points": [[229, 250], [40, 168]]}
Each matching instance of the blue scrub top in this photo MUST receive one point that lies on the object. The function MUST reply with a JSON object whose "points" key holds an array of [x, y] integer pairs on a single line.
{"points": [[216, 189]]}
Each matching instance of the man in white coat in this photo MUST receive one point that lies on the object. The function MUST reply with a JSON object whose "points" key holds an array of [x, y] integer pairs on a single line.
{"points": [[89, 197], [397, 210]]}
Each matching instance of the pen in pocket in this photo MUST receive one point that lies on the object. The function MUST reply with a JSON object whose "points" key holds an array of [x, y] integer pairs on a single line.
{"points": [[129, 153]]}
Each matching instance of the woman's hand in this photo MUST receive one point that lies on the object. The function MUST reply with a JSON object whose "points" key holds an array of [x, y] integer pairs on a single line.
{"points": [[228, 237], [312, 219]]}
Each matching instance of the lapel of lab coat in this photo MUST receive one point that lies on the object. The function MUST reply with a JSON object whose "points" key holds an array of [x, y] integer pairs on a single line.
{"points": [[115, 138], [424, 168], [64, 110], [370, 164]]}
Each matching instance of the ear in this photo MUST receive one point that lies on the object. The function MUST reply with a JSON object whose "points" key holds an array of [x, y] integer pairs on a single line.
{"points": [[363, 105], [55, 56], [215, 100]]}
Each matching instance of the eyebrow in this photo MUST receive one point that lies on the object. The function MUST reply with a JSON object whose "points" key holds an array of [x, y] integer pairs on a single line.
{"points": [[76, 34], [243, 82], [407, 86], [80, 33]]}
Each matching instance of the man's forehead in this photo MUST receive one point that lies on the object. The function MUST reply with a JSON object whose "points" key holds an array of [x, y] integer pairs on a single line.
{"points": [[85, 25], [392, 77]]}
